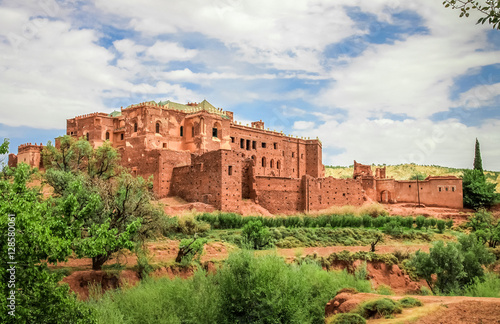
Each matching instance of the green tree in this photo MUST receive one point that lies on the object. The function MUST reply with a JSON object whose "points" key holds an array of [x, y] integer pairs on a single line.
{"points": [[490, 9], [4, 149], [256, 235], [455, 265], [485, 227], [105, 215], [478, 193], [78, 156], [36, 238], [418, 176], [478, 163]]}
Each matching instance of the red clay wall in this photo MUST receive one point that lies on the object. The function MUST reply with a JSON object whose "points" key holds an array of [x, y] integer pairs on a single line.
{"points": [[213, 178], [12, 163], [438, 191], [322, 193], [280, 195]]}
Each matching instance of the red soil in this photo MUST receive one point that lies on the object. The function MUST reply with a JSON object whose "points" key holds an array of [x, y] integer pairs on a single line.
{"points": [[436, 309]]}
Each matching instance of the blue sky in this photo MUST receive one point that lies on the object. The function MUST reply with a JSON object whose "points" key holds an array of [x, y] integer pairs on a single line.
{"points": [[382, 81]]}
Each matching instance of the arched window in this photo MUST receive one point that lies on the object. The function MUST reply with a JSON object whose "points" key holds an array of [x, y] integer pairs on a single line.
{"points": [[264, 162], [157, 128], [217, 130], [271, 164], [278, 165], [135, 127], [182, 130], [107, 136]]}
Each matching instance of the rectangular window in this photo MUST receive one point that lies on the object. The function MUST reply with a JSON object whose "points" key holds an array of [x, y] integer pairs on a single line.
{"points": [[182, 131], [242, 143], [248, 145], [230, 170], [263, 145], [453, 188], [121, 136], [214, 132], [275, 146], [293, 154], [232, 139], [254, 145], [446, 188], [439, 188]]}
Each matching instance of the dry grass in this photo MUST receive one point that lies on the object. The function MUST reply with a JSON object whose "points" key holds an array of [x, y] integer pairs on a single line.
{"points": [[374, 210]]}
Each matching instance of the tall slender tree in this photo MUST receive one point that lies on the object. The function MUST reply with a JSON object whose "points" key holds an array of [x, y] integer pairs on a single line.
{"points": [[478, 163]]}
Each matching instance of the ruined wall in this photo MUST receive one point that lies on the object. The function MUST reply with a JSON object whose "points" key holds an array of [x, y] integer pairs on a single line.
{"points": [[30, 154], [322, 193], [434, 191], [280, 195], [12, 162]]}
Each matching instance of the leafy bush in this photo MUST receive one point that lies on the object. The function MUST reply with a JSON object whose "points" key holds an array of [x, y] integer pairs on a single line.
{"points": [[441, 224], [489, 287], [247, 289], [456, 265], [384, 290], [189, 250], [393, 228], [420, 221], [478, 192], [189, 225], [256, 235], [346, 318], [383, 307], [409, 302]]}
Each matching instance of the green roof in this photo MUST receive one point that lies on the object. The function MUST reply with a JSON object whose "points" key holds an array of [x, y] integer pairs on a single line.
{"points": [[204, 105], [115, 113]]}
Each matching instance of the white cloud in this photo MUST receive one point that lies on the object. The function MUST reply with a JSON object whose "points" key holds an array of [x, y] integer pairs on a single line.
{"points": [[303, 125], [168, 51], [448, 143]]}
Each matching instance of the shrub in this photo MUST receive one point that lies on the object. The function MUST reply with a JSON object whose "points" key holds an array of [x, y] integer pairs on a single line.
{"points": [[409, 302], [383, 307], [256, 235], [455, 265], [420, 221], [477, 191], [346, 318], [393, 228], [441, 224], [490, 287], [188, 225], [373, 210], [384, 290], [401, 255]]}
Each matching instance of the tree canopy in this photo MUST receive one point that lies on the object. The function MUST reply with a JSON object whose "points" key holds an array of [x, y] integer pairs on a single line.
{"points": [[490, 9]]}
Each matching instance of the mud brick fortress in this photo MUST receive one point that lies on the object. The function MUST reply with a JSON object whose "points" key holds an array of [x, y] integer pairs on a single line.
{"points": [[199, 153]]}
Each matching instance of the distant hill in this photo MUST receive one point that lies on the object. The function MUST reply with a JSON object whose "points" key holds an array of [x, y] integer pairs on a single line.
{"points": [[406, 171]]}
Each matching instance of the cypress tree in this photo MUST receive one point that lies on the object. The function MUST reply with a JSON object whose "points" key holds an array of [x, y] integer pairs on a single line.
{"points": [[478, 163]]}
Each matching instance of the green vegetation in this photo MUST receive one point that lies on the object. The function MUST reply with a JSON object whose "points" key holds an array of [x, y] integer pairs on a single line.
{"points": [[247, 289], [383, 307], [255, 235], [485, 227], [490, 9], [37, 237], [346, 318], [478, 162], [489, 287], [409, 302], [220, 220], [4, 149], [189, 249], [478, 192], [455, 265]]}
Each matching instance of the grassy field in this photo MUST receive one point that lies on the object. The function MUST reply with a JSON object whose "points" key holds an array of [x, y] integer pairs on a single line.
{"points": [[405, 171]]}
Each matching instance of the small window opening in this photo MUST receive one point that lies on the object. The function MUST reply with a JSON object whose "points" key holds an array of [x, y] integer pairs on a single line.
{"points": [[182, 131], [248, 145], [232, 139], [157, 128], [275, 146], [214, 132], [254, 145], [135, 127], [293, 154], [264, 162], [230, 170], [263, 145], [242, 143], [278, 165], [87, 136], [121, 136], [107, 136]]}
